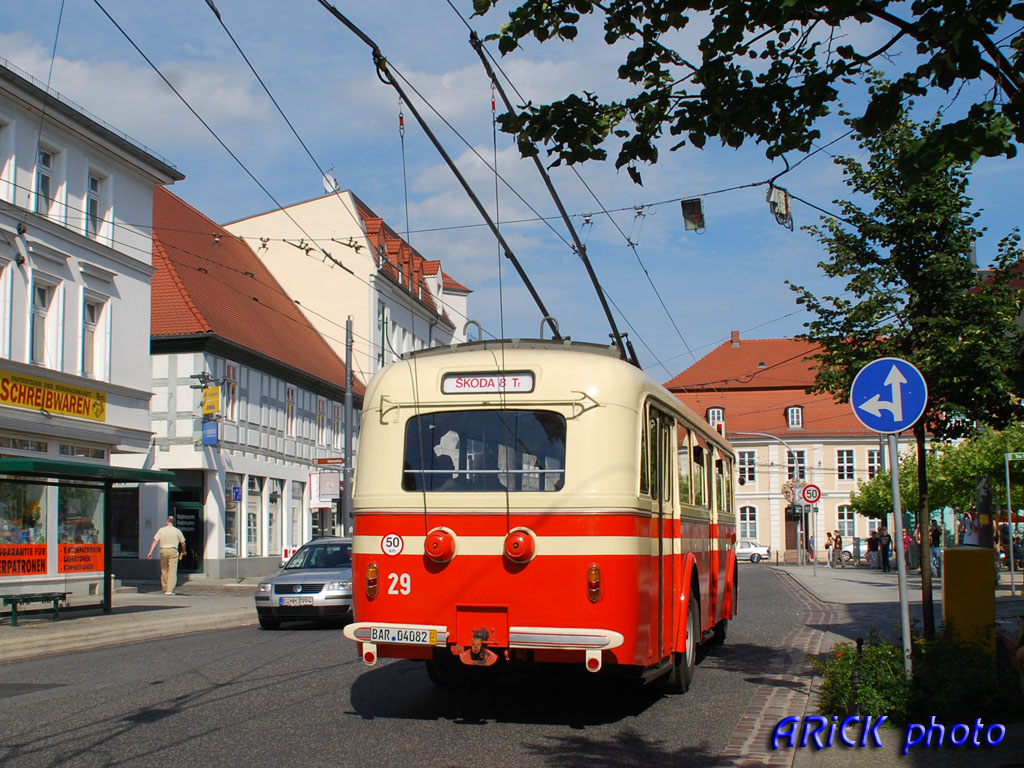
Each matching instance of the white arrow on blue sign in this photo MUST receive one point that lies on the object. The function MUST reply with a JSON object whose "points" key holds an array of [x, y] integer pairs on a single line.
{"points": [[888, 395]]}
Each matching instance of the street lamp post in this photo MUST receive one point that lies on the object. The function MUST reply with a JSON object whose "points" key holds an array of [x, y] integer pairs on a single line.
{"points": [[814, 561]]}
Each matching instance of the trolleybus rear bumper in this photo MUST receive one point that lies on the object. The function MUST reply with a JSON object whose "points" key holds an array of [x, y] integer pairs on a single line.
{"points": [[591, 641]]}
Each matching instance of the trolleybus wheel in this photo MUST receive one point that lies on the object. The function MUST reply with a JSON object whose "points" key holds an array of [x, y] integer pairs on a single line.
{"points": [[720, 633], [684, 663]]}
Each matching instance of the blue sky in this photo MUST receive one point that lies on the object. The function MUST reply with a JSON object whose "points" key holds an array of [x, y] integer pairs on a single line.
{"points": [[730, 277]]}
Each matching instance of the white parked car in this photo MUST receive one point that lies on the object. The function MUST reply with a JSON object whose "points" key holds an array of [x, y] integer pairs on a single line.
{"points": [[747, 549]]}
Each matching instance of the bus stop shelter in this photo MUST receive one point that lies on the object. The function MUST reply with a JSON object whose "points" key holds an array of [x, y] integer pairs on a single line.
{"points": [[66, 536]]}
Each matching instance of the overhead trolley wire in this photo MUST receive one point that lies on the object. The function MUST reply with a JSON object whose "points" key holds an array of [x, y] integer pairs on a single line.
{"points": [[384, 73]]}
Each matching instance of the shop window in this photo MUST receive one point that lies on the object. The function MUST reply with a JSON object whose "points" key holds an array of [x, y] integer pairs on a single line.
{"points": [[232, 500], [124, 520], [23, 514], [254, 517], [79, 529]]}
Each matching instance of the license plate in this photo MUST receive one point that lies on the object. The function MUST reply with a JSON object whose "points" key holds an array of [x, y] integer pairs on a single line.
{"points": [[403, 636], [296, 601]]}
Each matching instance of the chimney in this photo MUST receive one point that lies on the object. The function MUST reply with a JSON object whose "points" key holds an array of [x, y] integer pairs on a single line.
{"points": [[735, 338]]}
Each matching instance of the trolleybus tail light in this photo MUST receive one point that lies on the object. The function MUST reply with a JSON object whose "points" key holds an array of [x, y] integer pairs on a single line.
{"points": [[520, 545], [371, 580], [370, 654], [439, 545], [593, 583]]}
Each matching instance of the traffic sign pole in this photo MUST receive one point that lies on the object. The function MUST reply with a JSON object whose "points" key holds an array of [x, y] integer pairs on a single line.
{"points": [[901, 557]]}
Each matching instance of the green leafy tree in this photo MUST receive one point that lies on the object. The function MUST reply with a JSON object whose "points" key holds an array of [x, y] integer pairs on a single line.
{"points": [[768, 71], [912, 292]]}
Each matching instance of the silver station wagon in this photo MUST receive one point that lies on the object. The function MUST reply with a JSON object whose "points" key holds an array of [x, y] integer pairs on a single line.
{"points": [[314, 585]]}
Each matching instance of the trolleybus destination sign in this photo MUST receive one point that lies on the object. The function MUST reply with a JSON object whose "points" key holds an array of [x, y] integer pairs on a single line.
{"points": [[486, 382]]}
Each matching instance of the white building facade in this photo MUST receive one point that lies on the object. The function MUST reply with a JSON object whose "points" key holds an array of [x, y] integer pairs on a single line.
{"points": [[337, 258], [76, 203]]}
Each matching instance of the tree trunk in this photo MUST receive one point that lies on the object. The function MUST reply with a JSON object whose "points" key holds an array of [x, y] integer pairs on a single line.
{"points": [[923, 518]]}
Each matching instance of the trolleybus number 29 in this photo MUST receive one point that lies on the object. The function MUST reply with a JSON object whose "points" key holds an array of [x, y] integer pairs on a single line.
{"points": [[400, 584]]}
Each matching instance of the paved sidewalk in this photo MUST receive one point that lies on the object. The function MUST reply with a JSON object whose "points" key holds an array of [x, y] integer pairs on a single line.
{"points": [[197, 606], [855, 601]]}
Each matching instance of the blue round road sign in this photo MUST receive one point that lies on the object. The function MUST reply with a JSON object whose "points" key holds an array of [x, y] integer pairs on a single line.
{"points": [[888, 395]]}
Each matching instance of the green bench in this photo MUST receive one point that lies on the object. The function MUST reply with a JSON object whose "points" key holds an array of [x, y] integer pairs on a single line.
{"points": [[36, 597]]}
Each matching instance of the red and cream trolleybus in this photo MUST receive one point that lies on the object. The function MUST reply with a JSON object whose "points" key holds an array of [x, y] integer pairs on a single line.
{"points": [[538, 501]]}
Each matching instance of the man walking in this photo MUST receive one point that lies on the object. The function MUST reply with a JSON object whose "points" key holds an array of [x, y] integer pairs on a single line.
{"points": [[171, 540], [935, 542], [885, 545]]}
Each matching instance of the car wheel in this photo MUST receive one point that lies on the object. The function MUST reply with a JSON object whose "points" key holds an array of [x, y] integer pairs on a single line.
{"points": [[269, 622], [847, 557], [755, 558], [684, 663]]}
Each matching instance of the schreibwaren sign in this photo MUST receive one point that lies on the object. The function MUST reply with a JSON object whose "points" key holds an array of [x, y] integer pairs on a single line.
{"points": [[33, 394]]}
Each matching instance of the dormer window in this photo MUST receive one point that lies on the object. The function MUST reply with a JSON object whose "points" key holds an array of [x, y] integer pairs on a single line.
{"points": [[795, 417], [716, 417]]}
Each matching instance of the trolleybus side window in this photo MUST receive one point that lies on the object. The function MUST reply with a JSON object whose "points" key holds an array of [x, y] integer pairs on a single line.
{"points": [[668, 429], [723, 479], [684, 465], [698, 472], [493, 450]]}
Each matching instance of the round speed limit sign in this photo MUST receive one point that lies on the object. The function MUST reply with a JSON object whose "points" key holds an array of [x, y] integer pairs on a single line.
{"points": [[811, 494]]}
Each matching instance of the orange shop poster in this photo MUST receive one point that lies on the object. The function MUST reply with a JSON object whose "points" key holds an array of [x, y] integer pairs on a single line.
{"points": [[22, 559], [79, 558]]}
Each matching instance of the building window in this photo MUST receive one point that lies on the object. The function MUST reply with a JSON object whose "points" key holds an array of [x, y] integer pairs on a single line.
{"points": [[716, 417], [795, 417], [874, 462], [844, 464], [796, 465], [82, 451], [748, 523], [229, 391], [337, 434], [44, 182], [321, 421], [748, 466], [289, 411], [21, 444], [96, 206], [847, 526], [6, 160], [42, 296], [92, 357]]}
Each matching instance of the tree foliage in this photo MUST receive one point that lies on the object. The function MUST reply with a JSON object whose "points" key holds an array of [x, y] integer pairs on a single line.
{"points": [[952, 471], [768, 70], [912, 292]]}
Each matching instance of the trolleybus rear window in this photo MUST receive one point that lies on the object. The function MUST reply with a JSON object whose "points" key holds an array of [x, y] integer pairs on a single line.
{"points": [[485, 451]]}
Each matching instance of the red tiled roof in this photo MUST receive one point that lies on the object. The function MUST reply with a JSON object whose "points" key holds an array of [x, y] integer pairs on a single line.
{"points": [[208, 281], [754, 381], [451, 284], [402, 263], [753, 364]]}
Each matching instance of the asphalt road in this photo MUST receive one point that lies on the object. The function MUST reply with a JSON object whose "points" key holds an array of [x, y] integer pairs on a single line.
{"points": [[300, 696]]}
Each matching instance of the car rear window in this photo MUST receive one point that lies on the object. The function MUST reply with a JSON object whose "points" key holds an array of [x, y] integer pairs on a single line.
{"points": [[332, 555]]}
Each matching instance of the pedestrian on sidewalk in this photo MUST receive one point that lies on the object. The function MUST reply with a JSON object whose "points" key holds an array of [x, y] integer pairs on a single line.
{"points": [[972, 530], [171, 541], [907, 541], [837, 548], [873, 550], [885, 546], [829, 552], [935, 543]]}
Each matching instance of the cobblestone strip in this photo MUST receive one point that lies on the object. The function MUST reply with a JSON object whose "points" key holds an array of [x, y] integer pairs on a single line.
{"points": [[784, 694]]}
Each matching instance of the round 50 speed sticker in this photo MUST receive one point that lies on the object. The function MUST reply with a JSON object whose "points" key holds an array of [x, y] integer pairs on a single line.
{"points": [[392, 544]]}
